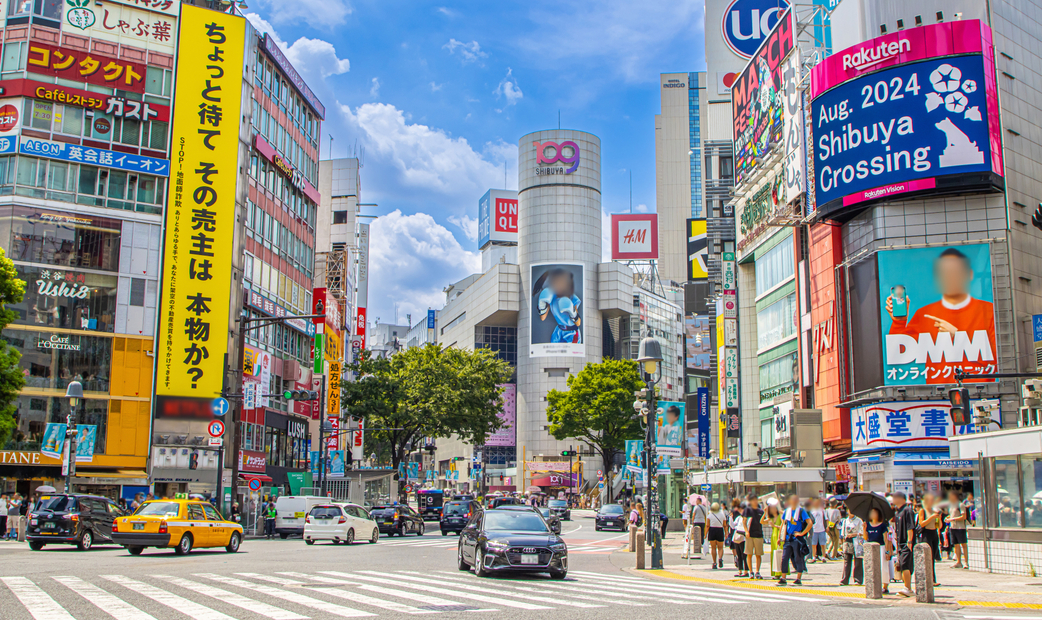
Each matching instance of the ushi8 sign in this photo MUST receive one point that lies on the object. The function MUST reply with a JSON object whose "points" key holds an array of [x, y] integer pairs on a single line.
{"points": [[200, 215]]}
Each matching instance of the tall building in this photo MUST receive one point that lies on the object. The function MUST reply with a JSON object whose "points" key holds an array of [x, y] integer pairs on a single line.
{"points": [[84, 177]]}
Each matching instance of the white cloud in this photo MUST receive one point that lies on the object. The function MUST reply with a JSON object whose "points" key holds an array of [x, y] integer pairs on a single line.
{"points": [[322, 14], [447, 12], [435, 87], [641, 208], [413, 258], [315, 59], [509, 89], [467, 224], [374, 90], [469, 52]]}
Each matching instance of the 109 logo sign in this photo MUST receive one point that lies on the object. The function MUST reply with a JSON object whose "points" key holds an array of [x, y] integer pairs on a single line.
{"points": [[549, 153]]}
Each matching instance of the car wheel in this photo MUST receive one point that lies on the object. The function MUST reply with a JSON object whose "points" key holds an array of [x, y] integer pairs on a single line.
{"points": [[284, 536], [460, 562], [184, 545], [596, 528], [444, 533], [86, 541], [479, 563], [559, 574], [351, 536], [309, 541], [401, 531], [422, 528], [135, 550], [375, 537], [233, 543], [336, 541], [36, 546]]}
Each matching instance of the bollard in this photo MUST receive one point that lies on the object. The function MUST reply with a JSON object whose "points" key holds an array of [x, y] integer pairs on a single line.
{"points": [[922, 562], [696, 542], [640, 550], [873, 568], [633, 538]]}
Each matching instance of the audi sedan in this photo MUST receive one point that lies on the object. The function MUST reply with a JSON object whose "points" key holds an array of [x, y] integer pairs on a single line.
{"points": [[503, 540]]}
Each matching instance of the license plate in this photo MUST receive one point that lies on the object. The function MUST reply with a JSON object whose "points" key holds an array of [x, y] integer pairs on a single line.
{"points": [[388, 522], [49, 526], [530, 558], [138, 526], [610, 523]]}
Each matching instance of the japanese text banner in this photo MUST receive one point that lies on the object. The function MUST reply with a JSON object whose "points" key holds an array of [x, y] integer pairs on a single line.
{"points": [[200, 213], [90, 67]]}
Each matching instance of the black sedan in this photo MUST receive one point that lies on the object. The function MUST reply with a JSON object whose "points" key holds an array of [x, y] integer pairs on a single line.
{"points": [[398, 519], [505, 540], [456, 515], [610, 516], [560, 508], [80, 520]]}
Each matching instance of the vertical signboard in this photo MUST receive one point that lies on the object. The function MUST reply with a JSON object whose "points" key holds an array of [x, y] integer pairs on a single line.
{"points": [[362, 296], [703, 422], [697, 250], [431, 318], [200, 213], [557, 310]]}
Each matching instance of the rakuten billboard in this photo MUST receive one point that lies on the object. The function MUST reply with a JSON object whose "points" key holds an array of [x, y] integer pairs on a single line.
{"points": [[912, 113], [497, 217]]}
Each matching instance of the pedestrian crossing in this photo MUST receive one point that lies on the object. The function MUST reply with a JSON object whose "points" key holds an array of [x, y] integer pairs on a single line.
{"points": [[322, 594], [577, 546]]}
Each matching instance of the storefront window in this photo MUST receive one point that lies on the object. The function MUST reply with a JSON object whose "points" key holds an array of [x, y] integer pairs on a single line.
{"points": [[33, 413], [66, 299], [60, 239], [1008, 484], [52, 361], [1031, 471]]}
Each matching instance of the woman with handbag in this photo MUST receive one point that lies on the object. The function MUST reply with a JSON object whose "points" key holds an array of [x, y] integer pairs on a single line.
{"points": [[851, 530], [738, 540], [717, 524]]}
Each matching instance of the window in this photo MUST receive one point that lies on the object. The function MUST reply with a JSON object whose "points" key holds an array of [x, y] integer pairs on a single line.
{"points": [[774, 375], [776, 322], [137, 292], [195, 513], [339, 217], [14, 56], [72, 121], [727, 167], [38, 114], [775, 266]]}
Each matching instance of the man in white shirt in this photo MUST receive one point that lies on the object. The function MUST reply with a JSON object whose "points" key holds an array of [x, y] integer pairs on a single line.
{"points": [[819, 537]]}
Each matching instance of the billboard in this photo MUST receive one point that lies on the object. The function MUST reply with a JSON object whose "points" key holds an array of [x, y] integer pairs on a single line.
{"points": [[937, 313], [505, 436], [634, 456], [699, 346], [557, 310], [634, 236], [54, 441], [757, 103], [362, 294], [926, 123], [697, 250], [903, 425], [121, 23], [200, 212], [78, 65], [669, 433], [497, 217], [747, 23]]}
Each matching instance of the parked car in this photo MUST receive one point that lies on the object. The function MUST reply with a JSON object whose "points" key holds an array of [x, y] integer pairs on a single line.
{"points": [[398, 519], [80, 520], [290, 511], [340, 523], [179, 523], [503, 540], [560, 508], [456, 515], [610, 516]]}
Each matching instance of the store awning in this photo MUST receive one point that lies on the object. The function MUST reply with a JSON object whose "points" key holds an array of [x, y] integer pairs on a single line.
{"points": [[119, 474], [251, 477], [839, 456]]}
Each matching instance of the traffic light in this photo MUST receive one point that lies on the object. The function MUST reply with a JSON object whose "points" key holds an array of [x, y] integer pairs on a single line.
{"points": [[641, 404], [300, 395], [569, 453], [459, 458], [962, 414]]}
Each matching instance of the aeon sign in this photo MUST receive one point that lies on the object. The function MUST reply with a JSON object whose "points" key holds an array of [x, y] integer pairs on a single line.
{"points": [[550, 153], [748, 22]]}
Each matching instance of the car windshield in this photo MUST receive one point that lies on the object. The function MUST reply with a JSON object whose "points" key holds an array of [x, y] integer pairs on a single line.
{"points": [[457, 508], [611, 509], [159, 509], [558, 503], [545, 512], [325, 512], [58, 503], [515, 521]]}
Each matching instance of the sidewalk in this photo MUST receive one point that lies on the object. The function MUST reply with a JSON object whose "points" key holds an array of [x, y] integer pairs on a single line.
{"points": [[958, 587]]}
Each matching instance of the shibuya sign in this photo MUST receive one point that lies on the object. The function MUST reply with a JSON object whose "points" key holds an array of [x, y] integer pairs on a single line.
{"points": [[551, 153]]}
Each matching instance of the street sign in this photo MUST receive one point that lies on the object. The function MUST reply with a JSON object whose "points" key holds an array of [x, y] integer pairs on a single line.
{"points": [[255, 485], [707, 487], [220, 406], [215, 441], [215, 428]]}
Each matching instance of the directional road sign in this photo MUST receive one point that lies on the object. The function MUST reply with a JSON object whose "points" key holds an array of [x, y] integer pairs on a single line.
{"points": [[220, 406], [216, 428]]}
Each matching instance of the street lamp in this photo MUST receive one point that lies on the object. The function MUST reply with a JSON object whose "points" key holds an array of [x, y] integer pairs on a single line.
{"points": [[649, 354], [74, 393]]}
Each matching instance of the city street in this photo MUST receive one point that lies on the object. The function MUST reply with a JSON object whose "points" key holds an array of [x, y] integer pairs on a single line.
{"points": [[285, 579]]}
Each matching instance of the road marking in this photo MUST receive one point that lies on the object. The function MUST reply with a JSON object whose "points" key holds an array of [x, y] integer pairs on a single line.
{"points": [[572, 531], [692, 590], [108, 603], [292, 597], [394, 581], [355, 597], [227, 596], [479, 589], [181, 604], [500, 583], [426, 599], [37, 602]]}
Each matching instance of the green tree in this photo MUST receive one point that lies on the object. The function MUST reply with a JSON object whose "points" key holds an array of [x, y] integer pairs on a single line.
{"points": [[429, 391], [597, 408], [11, 378]]}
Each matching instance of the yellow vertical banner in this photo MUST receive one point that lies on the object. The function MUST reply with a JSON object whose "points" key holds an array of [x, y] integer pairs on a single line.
{"points": [[200, 211]]}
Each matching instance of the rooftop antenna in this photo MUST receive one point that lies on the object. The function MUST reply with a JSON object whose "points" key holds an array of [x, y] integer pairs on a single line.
{"points": [[331, 146]]}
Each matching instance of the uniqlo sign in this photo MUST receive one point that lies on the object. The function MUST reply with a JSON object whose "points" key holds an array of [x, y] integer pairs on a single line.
{"points": [[497, 217], [634, 236], [506, 215]]}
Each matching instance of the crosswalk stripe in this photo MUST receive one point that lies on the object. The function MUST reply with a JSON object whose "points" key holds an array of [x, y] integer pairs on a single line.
{"points": [[292, 597], [394, 581], [282, 581], [479, 589], [108, 603], [627, 594], [570, 590], [356, 597], [181, 604], [37, 602], [426, 599], [227, 596], [697, 591]]}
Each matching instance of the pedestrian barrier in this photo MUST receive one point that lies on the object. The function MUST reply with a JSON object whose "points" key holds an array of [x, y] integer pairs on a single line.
{"points": [[922, 557], [640, 550], [873, 571]]}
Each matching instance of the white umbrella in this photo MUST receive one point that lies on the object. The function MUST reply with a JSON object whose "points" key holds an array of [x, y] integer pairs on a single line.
{"points": [[534, 490], [45, 488]]}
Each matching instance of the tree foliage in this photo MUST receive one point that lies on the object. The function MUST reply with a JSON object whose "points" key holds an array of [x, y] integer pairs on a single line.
{"points": [[597, 408], [430, 391], [11, 378]]}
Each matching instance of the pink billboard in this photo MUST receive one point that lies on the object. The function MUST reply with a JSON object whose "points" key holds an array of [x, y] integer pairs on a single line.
{"points": [[505, 435]]}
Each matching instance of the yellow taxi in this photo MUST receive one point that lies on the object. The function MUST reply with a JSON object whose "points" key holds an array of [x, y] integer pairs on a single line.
{"points": [[183, 524]]}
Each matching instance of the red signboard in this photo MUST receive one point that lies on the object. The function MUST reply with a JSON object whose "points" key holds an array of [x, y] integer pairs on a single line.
{"points": [[251, 461], [323, 302], [634, 236], [90, 67], [86, 99], [360, 325], [826, 344], [506, 215]]}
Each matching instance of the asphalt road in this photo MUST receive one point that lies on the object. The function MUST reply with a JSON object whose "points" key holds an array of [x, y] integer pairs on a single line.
{"points": [[395, 578]]}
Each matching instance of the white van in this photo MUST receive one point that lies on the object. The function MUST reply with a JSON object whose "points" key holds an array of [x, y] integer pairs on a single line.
{"points": [[290, 512]]}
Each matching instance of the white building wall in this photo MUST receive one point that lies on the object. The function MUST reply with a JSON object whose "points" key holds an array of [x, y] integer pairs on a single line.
{"points": [[673, 176]]}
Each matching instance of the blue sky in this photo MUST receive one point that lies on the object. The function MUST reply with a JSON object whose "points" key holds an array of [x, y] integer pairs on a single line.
{"points": [[437, 94]]}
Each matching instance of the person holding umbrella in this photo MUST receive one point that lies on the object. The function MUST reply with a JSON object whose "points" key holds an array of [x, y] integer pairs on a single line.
{"points": [[876, 512]]}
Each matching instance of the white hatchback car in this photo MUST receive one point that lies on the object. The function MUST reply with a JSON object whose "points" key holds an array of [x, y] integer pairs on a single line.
{"points": [[340, 523]]}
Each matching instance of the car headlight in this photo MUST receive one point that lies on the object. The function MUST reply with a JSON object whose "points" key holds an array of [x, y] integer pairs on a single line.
{"points": [[558, 547], [495, 545]]}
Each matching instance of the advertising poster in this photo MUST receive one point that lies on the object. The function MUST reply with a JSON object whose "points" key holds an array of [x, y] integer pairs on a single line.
{"points": [[634, 455], [937, 314], [697, 250], [634, 236], [557, 310], [336, 463], [53, 443], [505, 435], [669, 434], [200, 213], [698, 343]]}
